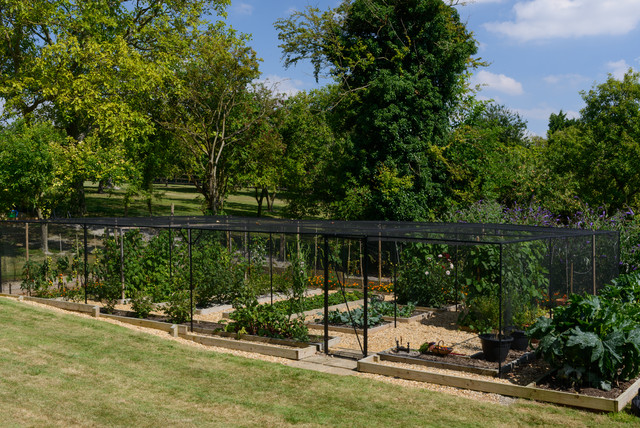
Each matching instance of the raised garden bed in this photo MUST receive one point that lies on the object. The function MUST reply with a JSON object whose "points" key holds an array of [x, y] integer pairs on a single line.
{"points": [[348, 329], [540, 388], [467, 363], [284, 348]]}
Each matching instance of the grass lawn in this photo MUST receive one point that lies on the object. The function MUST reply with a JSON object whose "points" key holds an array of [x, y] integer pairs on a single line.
{"points": [[187, 201], [62, 370]]}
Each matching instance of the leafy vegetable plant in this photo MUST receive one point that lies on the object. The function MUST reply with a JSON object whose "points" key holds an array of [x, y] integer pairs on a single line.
{"points": [[594, 340]]}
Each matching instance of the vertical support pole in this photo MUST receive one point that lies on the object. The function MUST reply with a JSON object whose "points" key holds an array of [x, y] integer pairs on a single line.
{"points": [[170, 253], [122, 262], [593, 262], [550, 247], [365, 278], [190, 278], [26, 237], [395, 281], [500, 312], [86, 263], [379, 260], [249, 251], [271, 264], [326, 294], [456, 283]]}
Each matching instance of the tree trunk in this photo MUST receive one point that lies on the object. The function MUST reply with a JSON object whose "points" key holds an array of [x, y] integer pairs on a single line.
{"points": [[260, 198], [44, 232], [78, 202], [271, 197]]}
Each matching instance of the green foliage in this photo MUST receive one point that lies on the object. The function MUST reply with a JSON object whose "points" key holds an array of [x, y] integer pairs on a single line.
{"points": [[266, 320], [425, 276], [30, 163], [316, 302], [600, 151], [387, 309], [399, 66], [594, 340], [141, 303], [178, 307], [481, 314], [354, 318]]}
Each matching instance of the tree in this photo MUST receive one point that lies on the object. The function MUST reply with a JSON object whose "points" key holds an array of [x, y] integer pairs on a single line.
{"points": [[89, 66], [214, 107], [400, 66], [601, 152]]}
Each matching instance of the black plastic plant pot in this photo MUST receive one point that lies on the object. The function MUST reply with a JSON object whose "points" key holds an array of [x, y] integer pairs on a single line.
{"points": [[495, 348], [520, 340]]}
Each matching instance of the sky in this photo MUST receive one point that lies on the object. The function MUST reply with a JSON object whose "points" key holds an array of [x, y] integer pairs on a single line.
{"points": [[541, 53]]}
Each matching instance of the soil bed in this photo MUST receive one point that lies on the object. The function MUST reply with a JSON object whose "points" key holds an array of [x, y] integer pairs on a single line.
{"points": [[476, 360], [554, 384]]}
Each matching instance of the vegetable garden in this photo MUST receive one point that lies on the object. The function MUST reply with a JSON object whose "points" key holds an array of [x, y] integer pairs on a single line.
{"points": [[494, 279]]}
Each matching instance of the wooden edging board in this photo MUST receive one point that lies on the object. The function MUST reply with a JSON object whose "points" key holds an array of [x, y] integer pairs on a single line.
{"points": [[438, 364], [261, 348], [63, 304], [297, 351], [339, 329], [251, 338], [371, 364]]}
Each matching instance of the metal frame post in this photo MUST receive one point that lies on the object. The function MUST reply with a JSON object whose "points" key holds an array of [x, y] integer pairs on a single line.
{"points": [[271, 264], [86, 263], [190, 278], [122, 262], [500, 312], [365, 279], [326, 294]]}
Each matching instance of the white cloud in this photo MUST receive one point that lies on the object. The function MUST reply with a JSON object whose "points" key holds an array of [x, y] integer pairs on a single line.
{"points": [[281, 85], [243, 9], [497, 82], [618, 68], [566, 79], [547, 19]]}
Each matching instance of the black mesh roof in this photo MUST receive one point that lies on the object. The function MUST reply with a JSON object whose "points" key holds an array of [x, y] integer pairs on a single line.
{"points": [[468, 233]]}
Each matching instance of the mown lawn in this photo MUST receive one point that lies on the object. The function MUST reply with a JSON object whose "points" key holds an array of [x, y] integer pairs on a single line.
{"points": [[187, 202], [62, 370]]}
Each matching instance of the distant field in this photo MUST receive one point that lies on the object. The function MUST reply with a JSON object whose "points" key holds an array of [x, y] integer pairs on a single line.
{"points": [[184, 197]]}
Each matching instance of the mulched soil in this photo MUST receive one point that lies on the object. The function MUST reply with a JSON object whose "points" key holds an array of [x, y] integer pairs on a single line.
{"points": [[555, 384], [476, 360]]}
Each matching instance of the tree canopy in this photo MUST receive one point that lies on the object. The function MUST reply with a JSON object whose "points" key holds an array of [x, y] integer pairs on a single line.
{"points": [[400, 67]]}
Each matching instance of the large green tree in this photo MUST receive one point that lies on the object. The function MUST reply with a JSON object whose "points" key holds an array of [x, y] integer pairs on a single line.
{"points": [[600, 153], [89, 66], [400, 66], [214, 108]]}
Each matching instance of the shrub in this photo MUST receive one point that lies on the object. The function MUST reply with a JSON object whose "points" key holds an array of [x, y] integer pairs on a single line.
{"points": [[594, 340], [141, 303], [267, 320], [178, 307], [426, 276]]}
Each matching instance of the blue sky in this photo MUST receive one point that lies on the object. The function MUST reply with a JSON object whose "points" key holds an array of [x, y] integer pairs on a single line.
{"points": [[542, 53]]}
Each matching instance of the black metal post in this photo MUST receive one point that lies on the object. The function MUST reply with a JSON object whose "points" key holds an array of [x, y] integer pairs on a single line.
{"points": [[326, 295], [190, 278], [122, 262], [455, 278], [500, 313], [395, 281], [365, 279], [86, 262], [271, 265], [1, 250], [170, 253]]}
